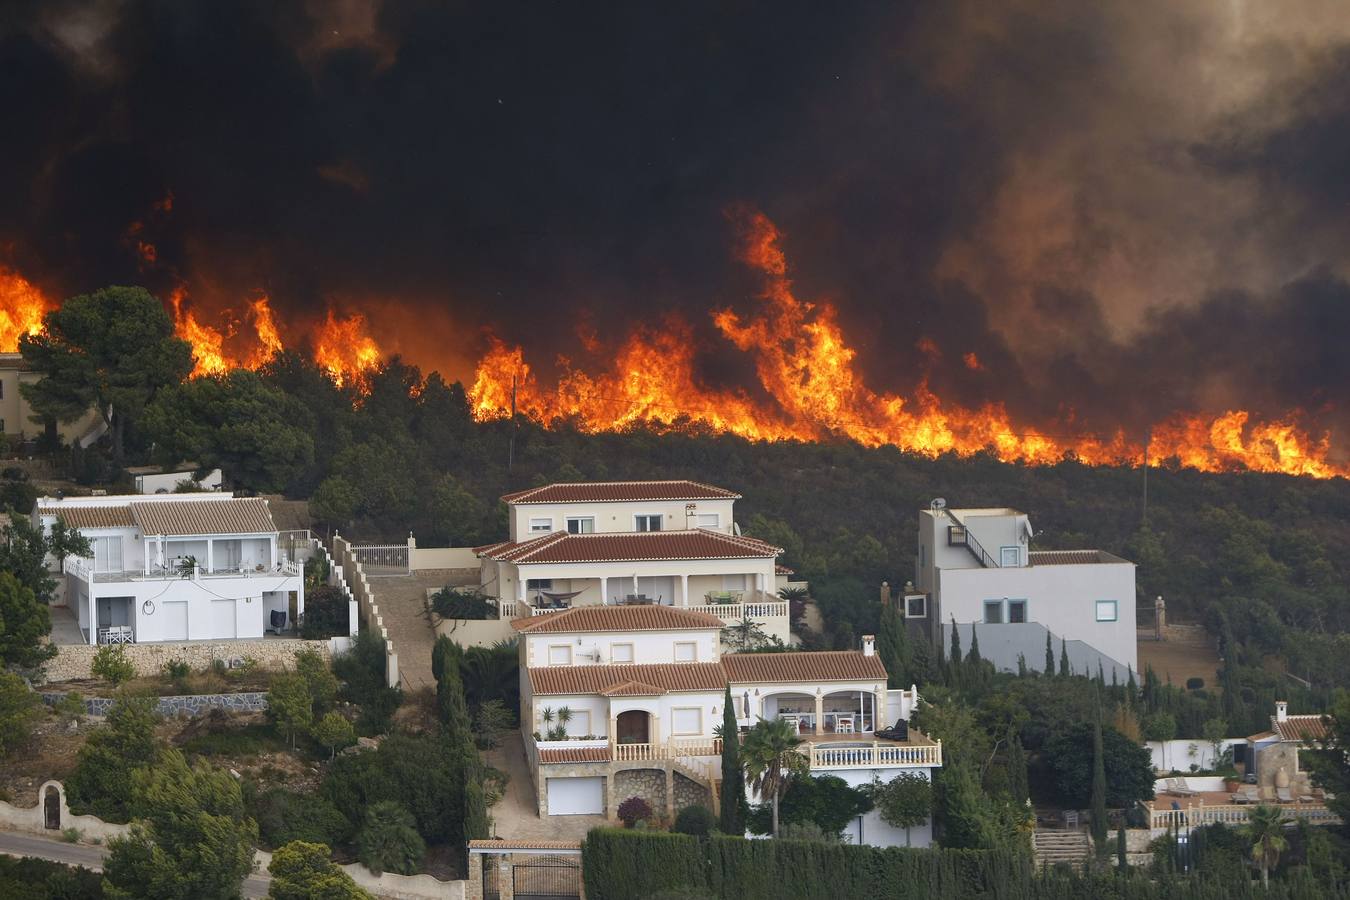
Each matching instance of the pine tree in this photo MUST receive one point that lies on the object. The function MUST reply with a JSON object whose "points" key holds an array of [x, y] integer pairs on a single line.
{"points": [[1064, 658], [1098, 781], [1049, 656], [731, 821]]}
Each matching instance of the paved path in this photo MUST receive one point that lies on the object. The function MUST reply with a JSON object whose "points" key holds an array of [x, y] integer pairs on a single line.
{"points": [[17, 844], [402, 600]]}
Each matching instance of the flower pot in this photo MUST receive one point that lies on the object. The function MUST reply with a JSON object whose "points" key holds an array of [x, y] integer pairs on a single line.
{"points": [[1231, 785]]}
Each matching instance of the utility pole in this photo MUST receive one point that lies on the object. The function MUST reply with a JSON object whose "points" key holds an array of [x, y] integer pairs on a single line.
{"points": [[511, 449]]}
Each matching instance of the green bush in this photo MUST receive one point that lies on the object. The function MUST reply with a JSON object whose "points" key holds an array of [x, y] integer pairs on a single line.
{"points": [[38, 879], [451, 603], [176, 670], [698, 821], [326, 613], [634, 810], [112, 664], [284, 816], [389, 842], [20, 710], [419, 773], [101, 782], [362, 673]]}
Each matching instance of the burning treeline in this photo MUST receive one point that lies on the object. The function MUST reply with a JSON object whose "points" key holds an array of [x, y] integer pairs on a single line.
{"points": [[803, 362]]}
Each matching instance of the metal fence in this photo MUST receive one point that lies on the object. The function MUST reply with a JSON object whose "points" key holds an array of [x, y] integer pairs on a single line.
{"points": [[383, 560], [546, 878]]}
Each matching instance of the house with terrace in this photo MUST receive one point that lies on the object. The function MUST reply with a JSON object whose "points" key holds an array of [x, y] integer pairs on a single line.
{"points": [[624, 701], [176, 567], [640, 543]]}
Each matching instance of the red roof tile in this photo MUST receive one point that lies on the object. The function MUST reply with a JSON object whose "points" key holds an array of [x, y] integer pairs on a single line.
{"points": [[91, 516], [598, 679], [581, 619], [698, 543], [1071, 557], [829, 665], [483, 844], [620, 491], [1302, 728], [633, 689], [574, 755]]}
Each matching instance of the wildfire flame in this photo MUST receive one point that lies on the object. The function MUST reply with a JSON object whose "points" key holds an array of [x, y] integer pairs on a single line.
{"points": [[806, 367], [345, 350], [22, 307]]}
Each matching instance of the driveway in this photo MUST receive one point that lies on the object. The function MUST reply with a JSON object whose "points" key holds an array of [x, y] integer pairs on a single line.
{"points": [[516, 815], [403, 602], [16, 844]]}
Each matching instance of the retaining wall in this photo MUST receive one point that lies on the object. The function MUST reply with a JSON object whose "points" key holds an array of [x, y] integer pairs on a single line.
{"points": [[182, 704], [73, 661], [355, 580]]}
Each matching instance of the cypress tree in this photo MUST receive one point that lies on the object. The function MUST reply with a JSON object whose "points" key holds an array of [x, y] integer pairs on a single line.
{"points": [[1122, 861], [1017, 767], [1064, 658], [1131, 686], [891, 646], [921, 666], [973, 657], [1098, 781], [1049, 656], [954, 661], [730, 820], [1101, 675], [1021, 665]]}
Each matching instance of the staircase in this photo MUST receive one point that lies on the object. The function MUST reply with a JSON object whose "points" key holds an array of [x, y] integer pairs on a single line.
{"points": [[1053, 847]]}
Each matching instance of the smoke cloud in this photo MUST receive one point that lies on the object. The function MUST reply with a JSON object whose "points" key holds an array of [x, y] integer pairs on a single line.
{"points": [[1120, 208]]}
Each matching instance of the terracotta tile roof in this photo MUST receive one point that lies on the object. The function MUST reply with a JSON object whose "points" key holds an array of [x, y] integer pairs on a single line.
{"points": [[637, 546], [598, 679], [91, 516], [1262, 736], [633, 689], [574, 755], [1302, 728], [234, 515], [581, 619], [523, 845], [830, 665], [1071, 557], [781, 569], [620, 491]]}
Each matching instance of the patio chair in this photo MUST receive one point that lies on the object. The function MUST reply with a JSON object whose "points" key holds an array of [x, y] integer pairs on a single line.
{"points": [[1178, 786], [1284, 795], [1247, 794]]}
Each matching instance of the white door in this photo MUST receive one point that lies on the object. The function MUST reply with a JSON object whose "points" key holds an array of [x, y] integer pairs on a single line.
{"points": [[576, 796], [107, 554], [222, 619], [175, 624]]}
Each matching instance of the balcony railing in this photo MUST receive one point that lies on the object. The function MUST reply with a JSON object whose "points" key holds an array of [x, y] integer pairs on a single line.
{"points": [[731, 613], [875, 755], [1198, 814], [80, 568]]}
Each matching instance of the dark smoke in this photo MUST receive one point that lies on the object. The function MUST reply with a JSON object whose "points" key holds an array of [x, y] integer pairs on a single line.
{"points": [[1122, 208]]}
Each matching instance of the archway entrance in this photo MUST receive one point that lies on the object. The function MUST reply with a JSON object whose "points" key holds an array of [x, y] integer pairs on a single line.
{"points": [[51, 809], [632, 727]]}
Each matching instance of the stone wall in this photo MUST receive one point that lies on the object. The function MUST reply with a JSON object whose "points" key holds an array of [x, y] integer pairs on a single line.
{"points": [[183, 704], [649, 784], [73, 661], [690, 793]]}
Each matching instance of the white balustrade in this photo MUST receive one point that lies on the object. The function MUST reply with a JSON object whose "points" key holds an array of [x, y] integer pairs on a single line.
{"points": [[874, 755]]}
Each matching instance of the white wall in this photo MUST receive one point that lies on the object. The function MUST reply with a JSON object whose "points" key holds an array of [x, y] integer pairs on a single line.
{"points": [[617, 516], [874, 831], [1062, 598], [703, 575], [648, 646], [168, 481], [1180, 754], [250, 616]]}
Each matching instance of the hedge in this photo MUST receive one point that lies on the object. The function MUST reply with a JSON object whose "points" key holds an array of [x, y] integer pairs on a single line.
{"points": [[633, 865]]}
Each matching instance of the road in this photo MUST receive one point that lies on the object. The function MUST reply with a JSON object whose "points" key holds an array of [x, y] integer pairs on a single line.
{"points": [[16, 844]]}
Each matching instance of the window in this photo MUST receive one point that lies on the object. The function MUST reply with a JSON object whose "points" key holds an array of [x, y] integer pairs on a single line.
{"points": [[916, 607], [708, 520], [1106, 610], [686, 651], [686, 720], [581, 525], [580, 723], [539, 584], [541, 524], [621, 653], [647, 523], [560, 655], [2, 425], [1017, 611], [993, 612], [1009, 556], [956, 535]]}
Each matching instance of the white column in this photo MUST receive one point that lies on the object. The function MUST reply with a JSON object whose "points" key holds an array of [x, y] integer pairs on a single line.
{"points": [[820, 712], [604, 590], [520, 588], [210, 555], [684, 590], [272, 550], [93, 609]]}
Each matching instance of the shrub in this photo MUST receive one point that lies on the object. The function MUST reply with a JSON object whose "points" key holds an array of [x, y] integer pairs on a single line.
{"points": [[491, 722], [20, 710], [362, 672], [303, 871], [71, 707], [176, 670], [388, 842], [284, 816], [633, 810], [319, 679], [101, 782], [38, 879], [451, 603], [334, 731], [420, 773], [1195, 684], [326, 613], [71, 835], [696, 820], [112, 665]]}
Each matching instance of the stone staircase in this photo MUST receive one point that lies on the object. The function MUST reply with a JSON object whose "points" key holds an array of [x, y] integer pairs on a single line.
{"points": [[1053, 847]]}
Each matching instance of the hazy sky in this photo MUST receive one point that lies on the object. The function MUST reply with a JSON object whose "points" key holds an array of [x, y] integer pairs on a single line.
{"points": [[1124, 207]]}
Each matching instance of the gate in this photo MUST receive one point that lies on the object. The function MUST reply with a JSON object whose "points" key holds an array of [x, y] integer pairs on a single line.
{"points": [[383, 560], [547, 878], [492, 889]]}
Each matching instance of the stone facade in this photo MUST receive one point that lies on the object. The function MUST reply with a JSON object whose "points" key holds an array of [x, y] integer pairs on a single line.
{"points": [[72, 661], [690, 793], [185, 705], [649, 784]]}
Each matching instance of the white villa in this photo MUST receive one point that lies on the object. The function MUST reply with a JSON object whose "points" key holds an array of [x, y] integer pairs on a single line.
{"points": [[624, 701], [176, 567], [976, 566], [661, 543]]}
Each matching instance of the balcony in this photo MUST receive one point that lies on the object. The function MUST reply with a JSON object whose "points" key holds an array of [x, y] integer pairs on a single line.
{"points": [[80, 569], [874, 755]]}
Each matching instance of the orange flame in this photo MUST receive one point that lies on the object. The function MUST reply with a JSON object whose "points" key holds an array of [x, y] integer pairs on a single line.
{"points": [[344, 350], [22, 307], [805, 366], [265, 327], [208, 344]]}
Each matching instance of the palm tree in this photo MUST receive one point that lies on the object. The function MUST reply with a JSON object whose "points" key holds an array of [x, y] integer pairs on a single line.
{"points": [[1265, 828], [770, 755]]}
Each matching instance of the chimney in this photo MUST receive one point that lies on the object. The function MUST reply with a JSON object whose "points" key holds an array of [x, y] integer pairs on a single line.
{"points": [[1281, 709], [869, 645], [885, 593]]}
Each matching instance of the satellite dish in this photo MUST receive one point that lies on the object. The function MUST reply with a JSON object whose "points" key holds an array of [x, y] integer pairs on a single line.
{"points": [[939, 503]]}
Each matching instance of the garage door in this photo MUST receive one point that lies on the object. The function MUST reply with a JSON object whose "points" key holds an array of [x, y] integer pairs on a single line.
{"points": [[576, 796], [222, 619], [175, 621]]}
